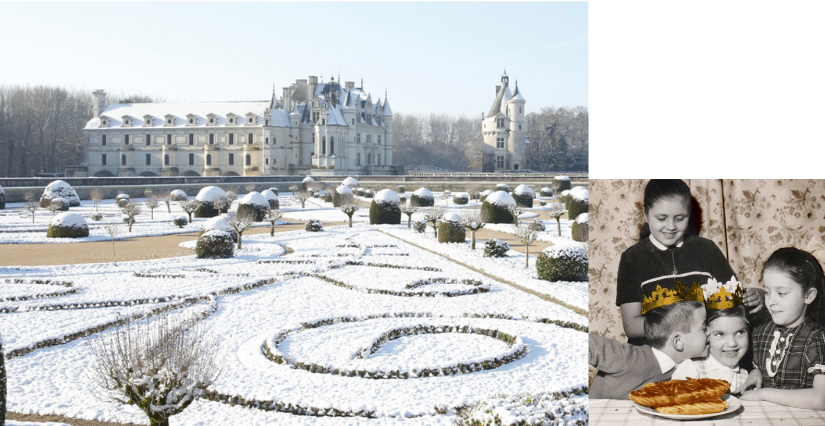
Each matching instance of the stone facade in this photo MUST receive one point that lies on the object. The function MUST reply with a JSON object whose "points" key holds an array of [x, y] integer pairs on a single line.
{"points": [[504, 128], [313, 128]]}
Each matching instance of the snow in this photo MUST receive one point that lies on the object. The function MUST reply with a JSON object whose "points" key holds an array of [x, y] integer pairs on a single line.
{"points": [[562, 178], [61, 189], [486, 192], [217, 222], [210, 194], [270, 195], [580, 193], [122, 197], [179, 111], [178, 193], [308, 179], [343, 190], [423, 193], [451, 217], [68, 219], [547, 189], [500, 198], [350, 181], [256, 198], [386, 196], [583, 218], [569, 250], [524, 189]]}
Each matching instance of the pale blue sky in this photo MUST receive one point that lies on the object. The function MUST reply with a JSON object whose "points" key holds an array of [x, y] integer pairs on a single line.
{"points": [[431, 57]]}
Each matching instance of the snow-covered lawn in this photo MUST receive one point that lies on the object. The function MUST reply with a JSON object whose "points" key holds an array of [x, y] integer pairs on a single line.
{"points": [[355, 303]]}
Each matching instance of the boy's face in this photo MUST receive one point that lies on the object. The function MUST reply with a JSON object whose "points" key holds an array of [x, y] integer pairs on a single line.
{"points": [[728, 340], [696, 341]]}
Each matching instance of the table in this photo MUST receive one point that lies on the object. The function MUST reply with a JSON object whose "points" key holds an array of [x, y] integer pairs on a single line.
{"points": [[611, 412]]}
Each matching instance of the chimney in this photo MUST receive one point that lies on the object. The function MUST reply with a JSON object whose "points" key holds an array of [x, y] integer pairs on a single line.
{"points": [[286, 99], [99, 103], [349, 85], [313, 81]]}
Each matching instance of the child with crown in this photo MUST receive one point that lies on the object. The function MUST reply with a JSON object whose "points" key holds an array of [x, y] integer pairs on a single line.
{"points": [[727, 335]]}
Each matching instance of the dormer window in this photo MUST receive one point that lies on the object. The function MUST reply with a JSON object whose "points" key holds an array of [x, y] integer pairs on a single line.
{"points": [[231, 119], [211, 119], [191, 119], [127, 121], [148, 120], [499, 122], [251, 119], [170, 120], [104, 121]]}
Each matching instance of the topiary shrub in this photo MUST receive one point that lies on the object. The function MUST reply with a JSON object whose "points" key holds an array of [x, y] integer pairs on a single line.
{"points": [[207, 198], [503, 187], [494, 208], [560, 183], [2, 198], [360, 192], [524, 196], [272, 198], [542, 203], [484, 194], [306, 184], [122, 200], [274, 191], [546, 192], [564, 197], [342, 195], [537, 225], [461, 198], [450, 229], [384, 208], [403, 200], [562, 263], [180, 221], [220, 223], [59, 189], [254, 204], [59, 205], [496, 248], [579, 231], [422, 197], [178, 195], [327, 197], [97, 217], [577, 202], [126, 219], [215, 244], [420, 226], [313, 225], [350, 182], [369, 194], [67, 225], [402, 189]]}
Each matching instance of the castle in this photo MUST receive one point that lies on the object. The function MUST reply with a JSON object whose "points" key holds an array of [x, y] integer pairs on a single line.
{"points": [[504, 130], [313, 128]]}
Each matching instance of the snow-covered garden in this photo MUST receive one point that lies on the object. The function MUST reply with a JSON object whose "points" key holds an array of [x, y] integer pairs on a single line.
{"points": [[378, 324]]}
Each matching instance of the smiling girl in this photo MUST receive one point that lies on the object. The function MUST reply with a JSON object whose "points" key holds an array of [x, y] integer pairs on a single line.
{"points": [[668, 256], [789, 352]]}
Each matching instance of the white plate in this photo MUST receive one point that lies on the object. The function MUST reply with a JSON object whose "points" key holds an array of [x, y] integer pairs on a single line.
{"points": [[733, 405]]}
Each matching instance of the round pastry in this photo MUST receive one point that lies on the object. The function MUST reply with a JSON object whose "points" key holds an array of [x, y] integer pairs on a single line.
{"points": [[715, 405], [678, 392]]}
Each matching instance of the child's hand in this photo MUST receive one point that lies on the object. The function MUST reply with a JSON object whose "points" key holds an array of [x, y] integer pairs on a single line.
{"points": [[754, 379], [752, 395], [754, 298]]}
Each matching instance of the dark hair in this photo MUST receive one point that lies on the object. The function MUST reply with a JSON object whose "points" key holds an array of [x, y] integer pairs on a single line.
{"points": [[738, 311], [805, 270], [663, 321], [659, 189]]}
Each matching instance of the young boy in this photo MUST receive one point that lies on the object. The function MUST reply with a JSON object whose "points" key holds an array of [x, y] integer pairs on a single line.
{"points": [[676, 332]]}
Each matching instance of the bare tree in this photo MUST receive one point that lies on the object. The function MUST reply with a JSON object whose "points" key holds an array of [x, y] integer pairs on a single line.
{"points": [[161, 365], [274, 215], [409, 211], [231, 196], [516, 211], [96, 195], [152, 204], [240, 223], [31, 205], [131, 210], [222, 204], [527, 234], [113, 230], [294, 189], [303, 197], [556, 211], [471, 220], [189, 207], [168, 200], [433, 215], [349, 209]]}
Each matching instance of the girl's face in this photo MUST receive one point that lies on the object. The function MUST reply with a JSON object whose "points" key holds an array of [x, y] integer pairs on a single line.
{"points": [[668, 220], [728, 340], [785, 299]]}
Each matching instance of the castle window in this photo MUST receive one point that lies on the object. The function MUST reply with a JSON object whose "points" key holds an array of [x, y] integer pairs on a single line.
{"points": [[123, 159], [191, 121], [323, 145], [274, 160], [500, 162], [231, 139], [515, 166], [211, 139], [191, 159], [148, 159], [251, 139], [208, 159], [231, 159], [168, 121], [519, 110], [500, 143], [357, 138], [103, 159], [191, 139], [148, 140], [353, 121], [331, 145], [358, 159], [379, 160], [499, 122], [267, 161], [519, 126], [369, 138], [248, 159], [313, 138], [211, 121], [169, 140], [267, 123], [103, 140], [230, 120], [379, 139], [166, 159], [266, 141], [323, 121], [315, 116], [126, 140], [369, 158]]}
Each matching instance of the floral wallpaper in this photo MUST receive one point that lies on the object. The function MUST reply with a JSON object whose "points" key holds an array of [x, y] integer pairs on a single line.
{"points": [[747, 219]]}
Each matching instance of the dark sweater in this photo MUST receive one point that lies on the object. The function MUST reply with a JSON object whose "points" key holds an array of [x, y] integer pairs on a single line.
{"points": [[622, 367]]}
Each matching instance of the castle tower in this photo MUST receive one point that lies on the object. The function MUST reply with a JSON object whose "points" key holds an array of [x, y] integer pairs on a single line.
{"points": [[99, 104], [386, 113], [518, 128]]}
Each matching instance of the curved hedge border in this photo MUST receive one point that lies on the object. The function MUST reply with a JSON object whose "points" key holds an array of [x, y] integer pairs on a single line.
{"points": [[481, 288], [36, 296]]}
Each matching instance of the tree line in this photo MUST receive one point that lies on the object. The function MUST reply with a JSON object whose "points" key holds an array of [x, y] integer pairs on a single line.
{"points": [[41, 131]]}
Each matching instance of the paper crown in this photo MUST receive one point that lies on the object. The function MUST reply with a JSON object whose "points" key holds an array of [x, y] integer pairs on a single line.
{"points": [[718, 296], [665, 296]]}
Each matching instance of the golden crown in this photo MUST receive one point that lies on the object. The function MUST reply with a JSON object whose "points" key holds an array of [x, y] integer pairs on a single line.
{"points": [[665, 296], [718, 295]]}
